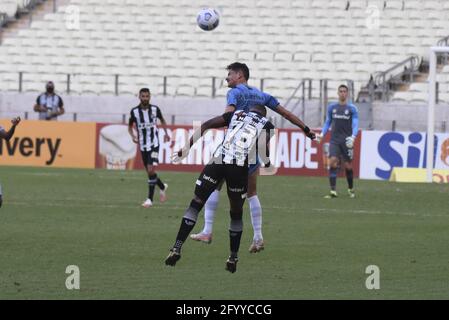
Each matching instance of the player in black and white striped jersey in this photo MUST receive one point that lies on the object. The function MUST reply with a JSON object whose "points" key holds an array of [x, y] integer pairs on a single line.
{"points": [[145, 117]]}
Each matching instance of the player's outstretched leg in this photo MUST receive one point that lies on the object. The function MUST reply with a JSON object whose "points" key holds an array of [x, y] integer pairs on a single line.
{"points": [[209, 213], [187, 224]]}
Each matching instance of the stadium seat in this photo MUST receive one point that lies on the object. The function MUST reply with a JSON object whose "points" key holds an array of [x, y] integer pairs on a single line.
{"points": [[122, 37]]}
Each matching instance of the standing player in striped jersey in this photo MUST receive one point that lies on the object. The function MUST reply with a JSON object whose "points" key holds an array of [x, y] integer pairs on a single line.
{"points": [[145, 116], [344, 119], [241, 96], [7, 135]]}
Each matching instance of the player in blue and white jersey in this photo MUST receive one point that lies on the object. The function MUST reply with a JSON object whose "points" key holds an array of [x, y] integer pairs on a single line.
{"points": [[241, 96], [343, 120]]}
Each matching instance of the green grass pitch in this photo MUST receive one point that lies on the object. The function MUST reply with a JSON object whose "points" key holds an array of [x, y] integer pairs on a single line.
{"points": [[315, 248]]}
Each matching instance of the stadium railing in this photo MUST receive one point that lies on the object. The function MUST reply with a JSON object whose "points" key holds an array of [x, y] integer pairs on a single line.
{"points": [[400, 73], [115, 85]]}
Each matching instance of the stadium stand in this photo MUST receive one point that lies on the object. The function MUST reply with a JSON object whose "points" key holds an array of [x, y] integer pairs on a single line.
{"points": [[10, 7], [120, 45]]}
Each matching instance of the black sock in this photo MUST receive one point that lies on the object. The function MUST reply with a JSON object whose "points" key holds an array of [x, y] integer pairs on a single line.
{"points": [[151, 186], [234, 240], [160, 184], [184, 231], [333, 178], [187, 223], [350, 178]]}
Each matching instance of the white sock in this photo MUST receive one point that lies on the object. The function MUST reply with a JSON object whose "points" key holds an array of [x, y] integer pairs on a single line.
{"points": [[256, 216], [209, 211]]}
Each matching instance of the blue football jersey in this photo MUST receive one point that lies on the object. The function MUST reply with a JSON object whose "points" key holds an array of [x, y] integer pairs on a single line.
{"points": [[344, 121], [243, 97]]}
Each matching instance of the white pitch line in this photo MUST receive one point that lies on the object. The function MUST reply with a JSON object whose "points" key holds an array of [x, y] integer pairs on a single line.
{"points": [[377, 212], [51, 203]]}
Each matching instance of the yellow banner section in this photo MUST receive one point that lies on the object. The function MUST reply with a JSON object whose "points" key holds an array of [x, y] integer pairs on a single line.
{"points": [[49, 144], [418, 175]]}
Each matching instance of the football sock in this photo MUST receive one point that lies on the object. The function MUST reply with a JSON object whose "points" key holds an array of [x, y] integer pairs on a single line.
{"points": [[350, 178], [209, 211], [235, 235], [255, 209], [151, 185], [187, 223], [160, 184], [333, 178]]}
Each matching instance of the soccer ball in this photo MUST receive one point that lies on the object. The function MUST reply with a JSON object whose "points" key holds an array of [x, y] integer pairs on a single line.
{"points": [[208, 19]]}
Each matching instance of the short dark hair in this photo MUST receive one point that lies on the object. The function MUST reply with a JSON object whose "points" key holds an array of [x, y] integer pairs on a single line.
{"points": [[343, 86], [237, 66], [144, 90]]}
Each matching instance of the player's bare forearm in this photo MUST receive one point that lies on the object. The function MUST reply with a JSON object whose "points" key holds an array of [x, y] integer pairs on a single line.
{"points": [[296, 121], [214, 123], [291, 117], [7, 135]]}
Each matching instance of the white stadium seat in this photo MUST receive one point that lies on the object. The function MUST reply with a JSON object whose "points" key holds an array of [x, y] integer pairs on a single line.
{"points": [[289, 39]]}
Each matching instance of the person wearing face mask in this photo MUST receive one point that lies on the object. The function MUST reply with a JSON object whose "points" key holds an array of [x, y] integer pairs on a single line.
{"points": [[49, 105]]}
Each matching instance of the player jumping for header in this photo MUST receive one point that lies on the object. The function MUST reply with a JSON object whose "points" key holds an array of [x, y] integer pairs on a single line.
{"points": [[241, 96], [230, 163]]}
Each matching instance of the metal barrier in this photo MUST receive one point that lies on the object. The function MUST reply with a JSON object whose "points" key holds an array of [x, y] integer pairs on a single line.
{"points": [[401, 73]]}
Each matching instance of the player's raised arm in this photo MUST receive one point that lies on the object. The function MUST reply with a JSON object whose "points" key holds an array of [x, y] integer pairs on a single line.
{"points": [[214, 123], [7, 135], [295, 120]]}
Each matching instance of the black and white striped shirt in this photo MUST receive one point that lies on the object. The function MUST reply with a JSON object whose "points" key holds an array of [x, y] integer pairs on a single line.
{"points": [[52, 102], [146, 124], [240, 141]]}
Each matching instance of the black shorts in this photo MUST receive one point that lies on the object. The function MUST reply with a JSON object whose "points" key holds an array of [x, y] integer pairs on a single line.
{"points": [[340, 150], [236, 178], [150, 157]]}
